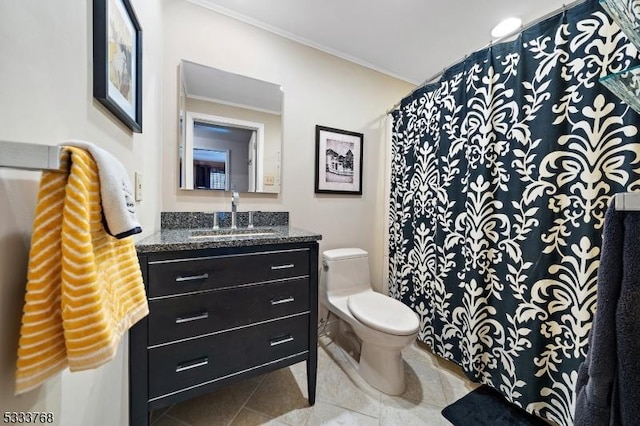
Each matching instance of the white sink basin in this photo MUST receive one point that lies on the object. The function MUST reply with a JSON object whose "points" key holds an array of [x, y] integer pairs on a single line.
{"points": [[231, 233]]}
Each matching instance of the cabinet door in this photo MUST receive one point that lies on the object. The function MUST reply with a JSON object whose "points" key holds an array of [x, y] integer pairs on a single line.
{"points": [[182, 317], [203, 360], [178, 276]]}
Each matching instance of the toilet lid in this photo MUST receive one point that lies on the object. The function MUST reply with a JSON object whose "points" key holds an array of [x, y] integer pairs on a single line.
{"points": [[383, 313]]}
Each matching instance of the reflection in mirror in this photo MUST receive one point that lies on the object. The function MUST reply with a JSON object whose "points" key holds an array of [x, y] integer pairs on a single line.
{"points": [[230, 131], [210, 167], [225, 150]]}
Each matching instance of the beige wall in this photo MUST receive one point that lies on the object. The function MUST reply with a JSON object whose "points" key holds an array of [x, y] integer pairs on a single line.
{"points": [[46, 97], [318, 89]]}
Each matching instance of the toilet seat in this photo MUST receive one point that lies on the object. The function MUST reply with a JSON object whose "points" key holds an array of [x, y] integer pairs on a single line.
{"points": [[383, 313]]}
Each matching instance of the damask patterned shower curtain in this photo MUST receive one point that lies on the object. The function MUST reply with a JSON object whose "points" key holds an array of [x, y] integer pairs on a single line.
{"points": [[501, 175]]}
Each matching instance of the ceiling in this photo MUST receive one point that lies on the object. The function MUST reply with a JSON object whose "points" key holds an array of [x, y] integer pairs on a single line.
{"points": [[408, 39]]}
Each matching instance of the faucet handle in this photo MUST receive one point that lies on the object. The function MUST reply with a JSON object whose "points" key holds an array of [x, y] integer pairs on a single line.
{"points": [[250, 225], [235, 197]]}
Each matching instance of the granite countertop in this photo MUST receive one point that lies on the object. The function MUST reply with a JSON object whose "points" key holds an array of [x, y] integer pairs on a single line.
{"points": [[182, 238]]}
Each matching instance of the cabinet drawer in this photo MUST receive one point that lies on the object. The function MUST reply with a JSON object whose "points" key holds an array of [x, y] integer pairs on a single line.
{"points": [[189, 275], [181, 365], [187, 316]]}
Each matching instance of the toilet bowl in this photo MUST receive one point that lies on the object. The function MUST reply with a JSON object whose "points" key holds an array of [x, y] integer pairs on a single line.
{"points": [[384, 325]]}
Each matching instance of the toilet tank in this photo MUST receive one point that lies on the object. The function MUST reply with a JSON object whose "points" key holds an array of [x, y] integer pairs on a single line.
{"points": [[344, 271]]}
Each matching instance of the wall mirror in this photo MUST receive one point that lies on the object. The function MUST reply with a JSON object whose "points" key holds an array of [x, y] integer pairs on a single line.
{"points": [[230, 129]]}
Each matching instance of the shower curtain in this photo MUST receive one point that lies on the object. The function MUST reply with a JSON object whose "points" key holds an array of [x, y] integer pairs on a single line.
{"points": [[501, 174]]}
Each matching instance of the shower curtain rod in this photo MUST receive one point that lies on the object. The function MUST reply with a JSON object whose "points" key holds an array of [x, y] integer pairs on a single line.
{"points": [[491, 43]]}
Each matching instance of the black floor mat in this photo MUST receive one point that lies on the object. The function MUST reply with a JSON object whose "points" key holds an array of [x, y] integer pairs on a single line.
{"points": [[485, 406]]}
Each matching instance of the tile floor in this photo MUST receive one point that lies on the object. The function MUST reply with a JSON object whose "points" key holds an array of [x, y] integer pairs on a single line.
{"points": [[342, 397]]}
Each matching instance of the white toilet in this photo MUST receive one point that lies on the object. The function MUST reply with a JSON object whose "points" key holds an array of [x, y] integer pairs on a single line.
{"points": [[384, 325]]}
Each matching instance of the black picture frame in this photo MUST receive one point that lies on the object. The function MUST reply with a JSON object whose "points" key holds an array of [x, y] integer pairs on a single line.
{"points": [[339, 155], [117, 60]]}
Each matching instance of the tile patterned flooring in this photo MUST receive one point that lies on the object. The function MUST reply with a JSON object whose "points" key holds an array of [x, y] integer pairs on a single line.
{"points": [[342, 396]]}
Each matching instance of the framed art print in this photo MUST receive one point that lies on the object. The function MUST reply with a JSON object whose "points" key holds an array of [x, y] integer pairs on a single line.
{"points": [[338, 161], [117, 60]]}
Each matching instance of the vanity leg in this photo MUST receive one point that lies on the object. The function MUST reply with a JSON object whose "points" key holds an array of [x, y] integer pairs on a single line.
{"points": [[312, 369], [138, 366], [312, 361], [138, 391]]}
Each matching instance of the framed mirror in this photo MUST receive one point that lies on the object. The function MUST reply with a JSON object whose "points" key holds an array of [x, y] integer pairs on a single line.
{"points": [[230, 129]]}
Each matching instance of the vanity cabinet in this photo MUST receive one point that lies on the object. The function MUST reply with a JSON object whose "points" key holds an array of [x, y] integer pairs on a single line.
{"points": [[222, 315]]}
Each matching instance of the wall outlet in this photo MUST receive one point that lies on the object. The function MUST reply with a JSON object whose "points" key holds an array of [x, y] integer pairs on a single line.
{"points": [[269, 180], [138, 186]]}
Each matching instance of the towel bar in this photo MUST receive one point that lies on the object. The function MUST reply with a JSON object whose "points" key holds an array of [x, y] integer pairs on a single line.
{"points": [[627, 201], [29, 156]]}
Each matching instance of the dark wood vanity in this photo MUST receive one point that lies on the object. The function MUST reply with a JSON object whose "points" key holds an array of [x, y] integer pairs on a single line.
{"points": [[222, 315]]}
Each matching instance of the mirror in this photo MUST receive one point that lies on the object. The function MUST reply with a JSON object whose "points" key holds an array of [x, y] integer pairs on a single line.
{"points": [[230, 129]]}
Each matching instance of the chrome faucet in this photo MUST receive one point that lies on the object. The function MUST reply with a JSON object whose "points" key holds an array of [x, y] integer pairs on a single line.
{"points": [[235, 200], [215, 221]]}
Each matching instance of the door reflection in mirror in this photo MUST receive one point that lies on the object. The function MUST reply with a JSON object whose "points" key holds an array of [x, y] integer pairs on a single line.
{"points": [[229, 148], [211, 169], [230, 129], [224, 157]]}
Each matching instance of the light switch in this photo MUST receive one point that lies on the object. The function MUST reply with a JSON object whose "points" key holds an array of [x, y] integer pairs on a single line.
{"points": [[138, 186]]}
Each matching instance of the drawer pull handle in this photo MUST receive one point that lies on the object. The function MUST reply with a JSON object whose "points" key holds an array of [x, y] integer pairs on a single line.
{"points": [[201, 362], [192, 278], [281, 301], [287, 266], [181, 320], [280, 340]]}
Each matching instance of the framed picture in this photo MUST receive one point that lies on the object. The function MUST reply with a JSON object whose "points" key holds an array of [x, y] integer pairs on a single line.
{"points": [[117, 60], [338, 161]]}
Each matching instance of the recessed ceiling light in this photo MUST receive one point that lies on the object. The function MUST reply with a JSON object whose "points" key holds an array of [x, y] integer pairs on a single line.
{"points": [[506, 27]]}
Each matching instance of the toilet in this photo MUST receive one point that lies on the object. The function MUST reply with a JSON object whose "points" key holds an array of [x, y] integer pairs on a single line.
{"points": [[384, 325]]}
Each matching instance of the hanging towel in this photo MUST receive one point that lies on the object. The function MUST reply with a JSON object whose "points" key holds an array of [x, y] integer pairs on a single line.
{"points": [[118, 202], [608, 384], [84, 287]]}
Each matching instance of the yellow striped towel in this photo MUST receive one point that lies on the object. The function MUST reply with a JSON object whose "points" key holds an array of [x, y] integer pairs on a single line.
{"points": [[84, 288]]}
